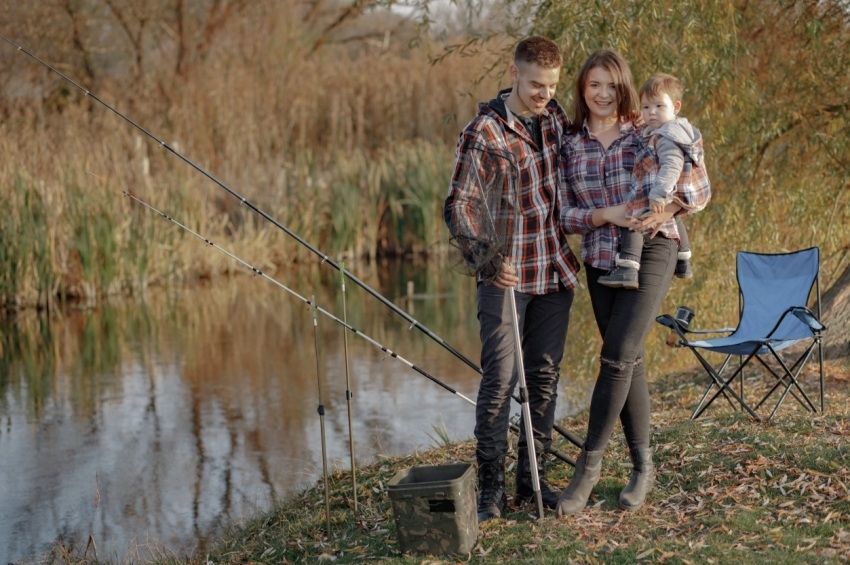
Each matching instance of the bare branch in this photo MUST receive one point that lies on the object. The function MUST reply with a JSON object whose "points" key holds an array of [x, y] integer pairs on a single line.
{"points": [[77, 40]]}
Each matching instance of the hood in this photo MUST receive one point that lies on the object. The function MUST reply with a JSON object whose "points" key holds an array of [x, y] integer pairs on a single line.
{"points": [[684, 134]]}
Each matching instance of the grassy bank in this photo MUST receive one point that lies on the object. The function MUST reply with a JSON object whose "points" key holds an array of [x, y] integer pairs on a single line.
{"points": [[728, 490]]}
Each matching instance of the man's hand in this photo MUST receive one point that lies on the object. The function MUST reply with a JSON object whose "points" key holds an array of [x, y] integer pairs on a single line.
{"points": [[507, 277]]}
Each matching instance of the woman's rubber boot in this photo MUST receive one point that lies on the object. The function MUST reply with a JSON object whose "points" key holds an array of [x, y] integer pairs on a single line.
{"points": [[492, 498], [641, 479], [588, 469]]}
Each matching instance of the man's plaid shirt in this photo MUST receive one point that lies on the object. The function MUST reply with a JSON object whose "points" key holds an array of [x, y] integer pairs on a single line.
{"points": [[540, 251], [594, 177]]}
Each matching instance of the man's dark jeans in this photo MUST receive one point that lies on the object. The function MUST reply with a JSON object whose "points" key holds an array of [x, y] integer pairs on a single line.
{"points": [[624, 317], [543, 326]]}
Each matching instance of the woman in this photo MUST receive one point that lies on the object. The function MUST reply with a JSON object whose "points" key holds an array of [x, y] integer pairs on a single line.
{"points": [[597, 159]]}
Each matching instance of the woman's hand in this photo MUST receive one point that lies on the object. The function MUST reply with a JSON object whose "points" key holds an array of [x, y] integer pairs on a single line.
{"points": [[612, 215], [652, 222], [507, 277]]}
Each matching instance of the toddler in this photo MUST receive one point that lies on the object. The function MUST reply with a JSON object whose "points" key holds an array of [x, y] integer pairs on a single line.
{"points": [[671, 150]]}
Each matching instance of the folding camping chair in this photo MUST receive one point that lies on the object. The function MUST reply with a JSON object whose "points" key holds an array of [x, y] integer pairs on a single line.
{"points": [[774, 290]]}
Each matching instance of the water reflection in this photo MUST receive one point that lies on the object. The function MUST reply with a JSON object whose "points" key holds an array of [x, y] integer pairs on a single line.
{"points": [[153, 423]]}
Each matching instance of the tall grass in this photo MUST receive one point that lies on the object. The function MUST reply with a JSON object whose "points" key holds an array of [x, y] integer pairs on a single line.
{"points": [[350, 148], [76, 236]]}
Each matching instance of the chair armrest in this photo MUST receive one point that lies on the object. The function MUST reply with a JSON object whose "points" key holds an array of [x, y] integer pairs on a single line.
{"points": [[669, 321], [808, 317], [672, 323], [804, 315], [713, 331]]}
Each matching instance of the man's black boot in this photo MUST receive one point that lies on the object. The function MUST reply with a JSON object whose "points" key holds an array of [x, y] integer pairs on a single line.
{"points": [[524, 486], [491, 488]]}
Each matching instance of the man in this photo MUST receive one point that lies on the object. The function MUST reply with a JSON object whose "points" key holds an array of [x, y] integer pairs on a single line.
{"points": [[526, 124]]}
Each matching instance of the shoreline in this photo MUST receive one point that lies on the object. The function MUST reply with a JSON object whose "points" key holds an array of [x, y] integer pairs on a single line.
{"points": [[720, 465]]}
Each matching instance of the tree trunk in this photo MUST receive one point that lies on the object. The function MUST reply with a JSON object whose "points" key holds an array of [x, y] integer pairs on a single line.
{"points": [[836, 316]]}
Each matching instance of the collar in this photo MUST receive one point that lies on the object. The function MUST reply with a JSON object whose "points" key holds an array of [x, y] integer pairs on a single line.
{"points": [[500, 104], [625, 127]]}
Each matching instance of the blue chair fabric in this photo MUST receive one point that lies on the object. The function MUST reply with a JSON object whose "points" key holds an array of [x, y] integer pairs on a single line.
{"points": [[775, 289]]}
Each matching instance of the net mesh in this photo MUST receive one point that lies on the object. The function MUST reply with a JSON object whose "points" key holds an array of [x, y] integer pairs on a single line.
{"points": [[481, 210]]}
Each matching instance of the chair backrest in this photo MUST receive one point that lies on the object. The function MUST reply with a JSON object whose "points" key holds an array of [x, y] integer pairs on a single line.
{"points": [[772, 283]]}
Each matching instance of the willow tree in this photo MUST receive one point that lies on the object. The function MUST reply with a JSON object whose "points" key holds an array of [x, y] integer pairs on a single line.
{"points": [[767, 83]]}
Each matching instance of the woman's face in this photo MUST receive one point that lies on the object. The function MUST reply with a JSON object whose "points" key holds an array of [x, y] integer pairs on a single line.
{"points": [[600, 94]]}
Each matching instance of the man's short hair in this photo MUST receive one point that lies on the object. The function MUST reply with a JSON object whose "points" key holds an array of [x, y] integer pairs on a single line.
{"points": [[536, 49], [662, 83]]}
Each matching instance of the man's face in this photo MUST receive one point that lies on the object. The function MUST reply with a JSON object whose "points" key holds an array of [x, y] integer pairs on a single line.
{"points": [[534, 85], [657, 110]]}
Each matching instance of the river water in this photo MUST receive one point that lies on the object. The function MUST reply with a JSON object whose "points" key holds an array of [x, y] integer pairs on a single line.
{"points": [[147, 425]]}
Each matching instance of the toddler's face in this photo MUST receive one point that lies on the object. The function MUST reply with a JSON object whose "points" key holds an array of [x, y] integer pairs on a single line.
{"points": [[657, 110]]}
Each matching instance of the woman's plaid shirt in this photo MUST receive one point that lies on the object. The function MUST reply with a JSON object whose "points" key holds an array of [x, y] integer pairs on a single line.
{"points": [[539, 249], [594, 177]]}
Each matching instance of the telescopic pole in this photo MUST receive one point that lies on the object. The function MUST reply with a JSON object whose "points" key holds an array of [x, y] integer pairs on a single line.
{"points": [[321, 411], [531, 450], [348, 393]]}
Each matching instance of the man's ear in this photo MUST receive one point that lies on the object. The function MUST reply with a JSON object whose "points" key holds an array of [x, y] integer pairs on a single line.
{"points": [[514, 71]]}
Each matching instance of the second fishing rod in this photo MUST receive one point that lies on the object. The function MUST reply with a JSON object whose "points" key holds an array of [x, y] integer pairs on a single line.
{"points": [[311, 303], [414, 323]]}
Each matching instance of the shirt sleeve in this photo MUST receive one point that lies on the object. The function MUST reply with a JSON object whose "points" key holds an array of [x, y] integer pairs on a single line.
{"points": [[574, 219], [671, 161], [471, 224], [459, 206]]}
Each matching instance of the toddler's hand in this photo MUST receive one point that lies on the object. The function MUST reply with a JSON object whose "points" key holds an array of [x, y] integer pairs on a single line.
{"points": [[656, 206]]}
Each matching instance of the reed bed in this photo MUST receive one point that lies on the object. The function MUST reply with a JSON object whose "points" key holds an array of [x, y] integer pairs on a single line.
{"points": [[76, 236], [350, 147]]}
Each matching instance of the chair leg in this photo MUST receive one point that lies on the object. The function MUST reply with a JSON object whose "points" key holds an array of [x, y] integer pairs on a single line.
{"points": [[696, 411], [725, 386], [795, 371], [740, 358], [780, 380], [792, 379], [715, 380], [820, 360]]}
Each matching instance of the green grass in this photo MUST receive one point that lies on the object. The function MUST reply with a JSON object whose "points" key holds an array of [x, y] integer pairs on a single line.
{"points": [[729, 489]]}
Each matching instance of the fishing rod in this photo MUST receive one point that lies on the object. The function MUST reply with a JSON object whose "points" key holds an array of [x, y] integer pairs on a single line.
{"points": [[414, 323], [321, 411], [311, 303], [348, 393]]}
